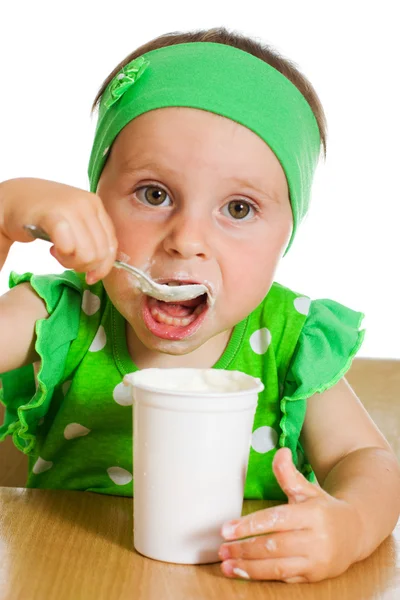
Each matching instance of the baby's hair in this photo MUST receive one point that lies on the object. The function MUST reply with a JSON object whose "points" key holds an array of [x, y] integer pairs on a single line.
{"points": [[221, 35]]}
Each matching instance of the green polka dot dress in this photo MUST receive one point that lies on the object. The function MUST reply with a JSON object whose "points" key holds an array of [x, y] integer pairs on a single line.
{"points": [[75, 420]]}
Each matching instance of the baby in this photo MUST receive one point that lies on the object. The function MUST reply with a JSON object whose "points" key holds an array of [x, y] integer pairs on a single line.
{"points": [[200, 172]]}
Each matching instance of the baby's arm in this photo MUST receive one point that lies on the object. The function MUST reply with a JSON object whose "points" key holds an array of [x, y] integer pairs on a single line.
{"points": [[322, 530], [20, 308], [353, 462], [84, 240]]}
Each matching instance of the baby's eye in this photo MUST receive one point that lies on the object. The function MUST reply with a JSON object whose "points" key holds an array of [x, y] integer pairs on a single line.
{"points": [[153, 195], [239, 210]]}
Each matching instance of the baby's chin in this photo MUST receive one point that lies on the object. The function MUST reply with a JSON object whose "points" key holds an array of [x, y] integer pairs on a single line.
{"points": [[201, 350], [172, 347]]}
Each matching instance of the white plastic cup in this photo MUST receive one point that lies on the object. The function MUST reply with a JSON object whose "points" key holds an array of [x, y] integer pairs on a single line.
{"points": [[192, 436]]}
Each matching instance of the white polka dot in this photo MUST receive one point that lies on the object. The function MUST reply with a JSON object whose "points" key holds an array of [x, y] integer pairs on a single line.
{"points": [[302, 305], [99, 341], [74, 430], [106, 150], [119, 476], [65, 386], [122, 394], [260, 340], [90, 303], [264, 439], [120, 76], [41, 466]]}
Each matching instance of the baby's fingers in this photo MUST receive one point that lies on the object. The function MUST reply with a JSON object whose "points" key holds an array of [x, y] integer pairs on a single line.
{"points": [[106, 242], [285, 517], [109, 231], [61, 233], [91, 249], [289, 570], [81, 243], [86, 256], [274, 545]]}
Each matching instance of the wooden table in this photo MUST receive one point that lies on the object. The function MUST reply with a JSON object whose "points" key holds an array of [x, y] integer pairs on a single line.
{"points": [[57, 545]]}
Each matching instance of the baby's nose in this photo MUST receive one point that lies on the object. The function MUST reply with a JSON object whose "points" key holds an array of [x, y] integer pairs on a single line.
{"points": [[188, 237]]}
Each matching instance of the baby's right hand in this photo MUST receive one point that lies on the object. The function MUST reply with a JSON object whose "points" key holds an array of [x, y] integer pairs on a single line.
{"points": [[76, 221]]}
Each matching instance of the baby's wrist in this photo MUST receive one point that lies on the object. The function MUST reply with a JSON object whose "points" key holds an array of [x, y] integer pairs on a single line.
{"points": [[355, 533]]}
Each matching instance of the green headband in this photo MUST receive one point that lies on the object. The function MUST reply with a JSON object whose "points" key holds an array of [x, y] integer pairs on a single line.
{"points": [[224, 80]]}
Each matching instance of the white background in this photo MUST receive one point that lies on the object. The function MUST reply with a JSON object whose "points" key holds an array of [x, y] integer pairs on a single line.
{"points": [[54, 56]]}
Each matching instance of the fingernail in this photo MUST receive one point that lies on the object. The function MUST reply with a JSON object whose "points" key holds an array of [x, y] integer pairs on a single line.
{"points": [[228, 530], [240, 573]]}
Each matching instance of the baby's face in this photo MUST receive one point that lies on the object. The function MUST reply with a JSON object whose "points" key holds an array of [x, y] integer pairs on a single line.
{"points": [[197, 198]]}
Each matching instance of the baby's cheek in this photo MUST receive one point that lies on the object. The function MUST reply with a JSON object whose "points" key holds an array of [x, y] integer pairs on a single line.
{"points": [[247, 288], [134, 246]]}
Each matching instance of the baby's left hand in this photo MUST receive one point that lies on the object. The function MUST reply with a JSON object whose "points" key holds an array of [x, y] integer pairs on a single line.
{"points": [[313, 537]]}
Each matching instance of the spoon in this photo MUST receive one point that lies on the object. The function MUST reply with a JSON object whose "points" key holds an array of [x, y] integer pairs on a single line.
{"points": [[162, 291], [159, 291]]}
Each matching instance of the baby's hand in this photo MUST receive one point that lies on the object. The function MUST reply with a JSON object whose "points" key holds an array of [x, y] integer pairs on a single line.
{"points": [[313, 537], [76, 221]]}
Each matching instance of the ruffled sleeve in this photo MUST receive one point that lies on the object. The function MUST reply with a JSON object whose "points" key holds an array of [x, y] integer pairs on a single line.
{"points": [[27, 401], [329, 340]]}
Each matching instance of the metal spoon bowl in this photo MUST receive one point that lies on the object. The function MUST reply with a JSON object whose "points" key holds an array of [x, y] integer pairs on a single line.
{"points": [[161, 291]]}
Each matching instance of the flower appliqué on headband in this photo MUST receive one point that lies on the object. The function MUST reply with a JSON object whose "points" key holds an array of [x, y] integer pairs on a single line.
{"points": [[125, 79]]}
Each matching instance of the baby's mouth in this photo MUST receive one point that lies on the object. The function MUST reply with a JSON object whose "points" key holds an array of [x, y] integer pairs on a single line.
{"points": [[174, 320], [179, 314]]}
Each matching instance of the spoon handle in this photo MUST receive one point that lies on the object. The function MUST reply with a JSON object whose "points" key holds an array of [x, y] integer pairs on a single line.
{"points": [[133, 270], [37, 232]]}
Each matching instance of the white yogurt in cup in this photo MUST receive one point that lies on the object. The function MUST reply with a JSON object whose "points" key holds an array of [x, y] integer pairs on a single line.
{"points": [[192, 434]]}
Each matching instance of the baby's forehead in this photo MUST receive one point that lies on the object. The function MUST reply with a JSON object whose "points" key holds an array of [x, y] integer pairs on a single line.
{"points": [[177, 132], [177, 119]]}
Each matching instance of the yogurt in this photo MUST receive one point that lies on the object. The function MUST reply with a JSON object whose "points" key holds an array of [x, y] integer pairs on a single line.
{"points": [[203, 381]]}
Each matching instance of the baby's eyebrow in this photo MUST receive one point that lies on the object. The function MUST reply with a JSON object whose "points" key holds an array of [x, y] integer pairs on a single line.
{"points": [[130, 167], [270, 194]]}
